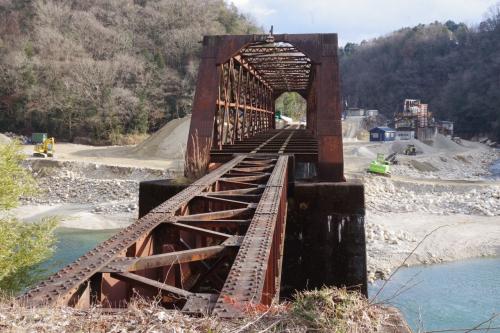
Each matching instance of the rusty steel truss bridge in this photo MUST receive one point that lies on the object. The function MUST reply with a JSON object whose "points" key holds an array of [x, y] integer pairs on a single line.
{"points": [[217, 246]]}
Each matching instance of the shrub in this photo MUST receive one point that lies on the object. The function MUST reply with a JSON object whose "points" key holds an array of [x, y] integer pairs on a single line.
{"points": [[15, 181], [23, 246]]}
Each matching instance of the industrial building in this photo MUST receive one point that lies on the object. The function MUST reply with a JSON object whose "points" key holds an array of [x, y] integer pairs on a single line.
{"points": [[382, 134], [445, 127], [414, 121], [358, 112]]}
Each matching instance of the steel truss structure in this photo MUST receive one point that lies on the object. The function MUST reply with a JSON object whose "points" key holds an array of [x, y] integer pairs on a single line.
{"points": [[240, 78], [216, 246]]}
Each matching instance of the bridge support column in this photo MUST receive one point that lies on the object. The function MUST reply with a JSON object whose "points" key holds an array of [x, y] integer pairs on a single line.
{"points": [[325, 237], [152, 193]]}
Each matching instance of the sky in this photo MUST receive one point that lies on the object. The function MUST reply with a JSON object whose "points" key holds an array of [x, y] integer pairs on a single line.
{"points": [[357, 20]]}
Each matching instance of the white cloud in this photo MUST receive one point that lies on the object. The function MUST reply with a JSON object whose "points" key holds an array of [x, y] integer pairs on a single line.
{"points": [[355, 20], [254, 8]]}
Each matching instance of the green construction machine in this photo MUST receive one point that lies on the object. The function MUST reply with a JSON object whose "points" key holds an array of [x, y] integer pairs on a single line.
{"points": [[380, 166]]}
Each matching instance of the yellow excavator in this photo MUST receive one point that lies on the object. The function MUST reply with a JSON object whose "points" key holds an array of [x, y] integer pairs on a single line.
{"points": [[45, 149]]}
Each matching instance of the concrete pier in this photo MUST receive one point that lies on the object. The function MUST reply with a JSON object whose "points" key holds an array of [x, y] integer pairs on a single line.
{"points": [[325, 237]]}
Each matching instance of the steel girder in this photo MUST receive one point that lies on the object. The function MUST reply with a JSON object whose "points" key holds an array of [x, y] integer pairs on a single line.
{"points": [[216, 245]]}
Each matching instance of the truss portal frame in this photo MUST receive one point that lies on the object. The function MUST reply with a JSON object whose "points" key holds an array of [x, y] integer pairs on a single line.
{"points": [[240, 78]]}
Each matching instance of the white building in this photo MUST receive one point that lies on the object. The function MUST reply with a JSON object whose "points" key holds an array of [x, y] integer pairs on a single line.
{"points": [[405, 135]]}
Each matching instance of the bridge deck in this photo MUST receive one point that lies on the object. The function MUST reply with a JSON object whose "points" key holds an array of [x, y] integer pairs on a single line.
{"points": [[217, 245], [299, 142]]}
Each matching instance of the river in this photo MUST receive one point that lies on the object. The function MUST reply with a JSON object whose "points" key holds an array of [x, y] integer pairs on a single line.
{"points": [[72, 243], [453, 295]]}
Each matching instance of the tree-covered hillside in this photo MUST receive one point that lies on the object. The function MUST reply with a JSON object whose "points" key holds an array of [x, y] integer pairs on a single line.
{"points": [[101, 69], [104, 69], [453, 67]]}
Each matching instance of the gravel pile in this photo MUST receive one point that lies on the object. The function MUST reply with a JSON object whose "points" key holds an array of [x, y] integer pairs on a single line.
{"points": [[386, 196], [473, 165], [4, 139], [9, 136], [108, 189], [378, 236]]}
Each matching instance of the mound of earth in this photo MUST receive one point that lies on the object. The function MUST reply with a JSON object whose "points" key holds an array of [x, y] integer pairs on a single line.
{"points": [[169, 142], [422, 148], [4, 139], [355, 128], [443, 143]]}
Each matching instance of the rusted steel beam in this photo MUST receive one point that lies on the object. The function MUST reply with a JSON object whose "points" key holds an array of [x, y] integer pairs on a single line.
{"points": [[241, 191], [223, 214], [224, 200], [64, 284], [219, 223], [297, 142], [202, 231], [251, 74], [137, 279], [251, 169], [164, 259], [254, 276], [246, 179]]}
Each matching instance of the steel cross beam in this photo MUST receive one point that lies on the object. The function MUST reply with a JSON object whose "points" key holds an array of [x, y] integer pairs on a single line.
{"points": [[293, 141], [189, 250]]}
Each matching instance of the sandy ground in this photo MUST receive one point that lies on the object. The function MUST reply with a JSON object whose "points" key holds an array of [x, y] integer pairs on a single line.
{"points": [[86, 195], [393, 236], [76, 216], [162, 150], [110, 155]]}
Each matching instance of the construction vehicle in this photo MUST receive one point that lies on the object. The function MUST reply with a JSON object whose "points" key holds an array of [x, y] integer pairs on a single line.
{"points": [[45, 149], [410, 150], [392, 158], [380, 166]]}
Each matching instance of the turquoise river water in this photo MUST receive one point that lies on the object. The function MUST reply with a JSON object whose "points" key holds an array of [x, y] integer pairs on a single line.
{"points": [[445, 296], [73, 243], [455, 295]]}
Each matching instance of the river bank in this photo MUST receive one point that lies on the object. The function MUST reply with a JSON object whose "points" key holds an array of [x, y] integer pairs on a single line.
{"points": [[458, 201], [86, 194], [449, 189]]}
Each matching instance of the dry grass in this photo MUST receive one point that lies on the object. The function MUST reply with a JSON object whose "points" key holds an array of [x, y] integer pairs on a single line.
{"points": [[325, 310], [197, 160], [336, 310]]}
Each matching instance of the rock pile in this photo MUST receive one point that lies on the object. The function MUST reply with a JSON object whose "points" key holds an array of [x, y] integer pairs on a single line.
{"points": [[376, 232], [472, 165], [108, 189], [379, 239], [384, 195]]}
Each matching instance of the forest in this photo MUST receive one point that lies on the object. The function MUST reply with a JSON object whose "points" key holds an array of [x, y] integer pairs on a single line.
{"points": [[453, 67], [99, 70], [102, 70]]}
